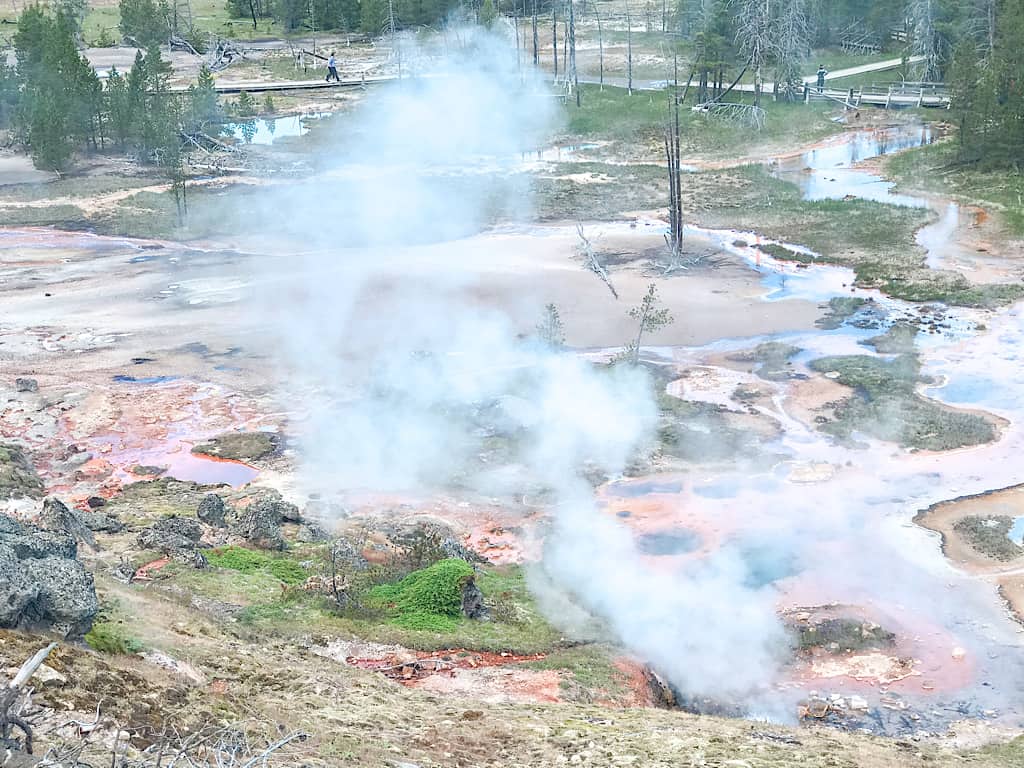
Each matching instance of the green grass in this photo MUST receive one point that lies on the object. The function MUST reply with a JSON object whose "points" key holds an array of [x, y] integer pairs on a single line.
{"points": [[988, 535], [590, 672], [518, 627], [899, 339], [250, 561], [112, 637], [886, 406], [840, 309], [612, 114], [934, 169]]}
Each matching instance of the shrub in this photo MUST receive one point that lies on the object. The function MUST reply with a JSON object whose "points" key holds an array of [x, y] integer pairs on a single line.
{"points": [[430, 598], [111, 637]]}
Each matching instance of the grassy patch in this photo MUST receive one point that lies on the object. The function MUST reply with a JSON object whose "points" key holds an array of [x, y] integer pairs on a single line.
{"points": [[250, 561], [638, 121], [772, 358], [590, 672], [243, 446], [517, 626], [934, 169], [898, 340], [886, 406], [988, 535], [840, 309], [112, 637]]}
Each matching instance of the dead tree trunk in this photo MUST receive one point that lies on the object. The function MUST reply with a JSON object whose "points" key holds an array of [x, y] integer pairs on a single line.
{"points": [[554, 37], [600, 46], [536, 59], [9, 713], [675, 181], [572, 52], [629, 51]]}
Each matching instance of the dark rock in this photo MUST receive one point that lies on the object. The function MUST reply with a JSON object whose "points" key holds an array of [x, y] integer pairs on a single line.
{"points": [[311, 533], [42, 585], [425, 542], [95, 502], [473, 601], [26, 385], [260, 523], [58, 518], [176, 536], [211, 511], [67, 596], [101, 522], [18, 477]]}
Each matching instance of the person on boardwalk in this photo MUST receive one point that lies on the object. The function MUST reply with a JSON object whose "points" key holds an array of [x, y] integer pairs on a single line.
{"points": [[332, 70], [821, 77]]}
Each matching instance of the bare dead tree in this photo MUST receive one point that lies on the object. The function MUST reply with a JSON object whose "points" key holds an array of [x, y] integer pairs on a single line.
{"points": [[754, 38], [11, 702], [600, 46], [675, 176], [572, 52], [554, 37], [536, 41], [927, 41], [591, 260], [629, 51], [791, 45]]}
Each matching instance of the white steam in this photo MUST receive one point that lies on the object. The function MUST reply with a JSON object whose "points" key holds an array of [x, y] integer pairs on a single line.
{"points": [[406, 378]]}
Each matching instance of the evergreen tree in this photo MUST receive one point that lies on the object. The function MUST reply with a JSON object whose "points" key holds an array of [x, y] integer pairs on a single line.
{"points": [[119, 108], [144, 21], [488, 13], [203, 103]]}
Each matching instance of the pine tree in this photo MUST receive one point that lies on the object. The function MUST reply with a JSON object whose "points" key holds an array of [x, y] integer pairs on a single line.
{"points": [[488, 13]]}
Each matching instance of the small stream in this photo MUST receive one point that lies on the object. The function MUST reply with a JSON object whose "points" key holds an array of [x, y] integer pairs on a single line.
{"points": [[841, 517]]}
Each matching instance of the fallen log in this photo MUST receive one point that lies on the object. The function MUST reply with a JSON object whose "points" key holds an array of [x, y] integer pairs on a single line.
{"points": [[9, 714]]}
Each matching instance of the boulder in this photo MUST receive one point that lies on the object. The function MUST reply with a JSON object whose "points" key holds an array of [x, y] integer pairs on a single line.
{"points": [[101, 522], [473, 606], [260, 523], [42, 585], [18, 477], [311, 533], [177, 536], [58, 518], [95, 502], [26, 385], [211, 511]]}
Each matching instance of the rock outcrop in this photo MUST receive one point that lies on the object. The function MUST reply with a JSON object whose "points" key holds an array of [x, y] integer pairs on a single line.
{"points": [[174, 536], [18, 477], [58, 518], [42, 585], [211, 511], [473, 606]]}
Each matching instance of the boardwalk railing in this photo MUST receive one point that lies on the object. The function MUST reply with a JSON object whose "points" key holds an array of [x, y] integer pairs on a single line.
{"points": [[895, 95]]}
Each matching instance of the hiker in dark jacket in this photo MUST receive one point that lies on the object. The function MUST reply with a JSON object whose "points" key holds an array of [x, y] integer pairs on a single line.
{"points": [[821, 77]]}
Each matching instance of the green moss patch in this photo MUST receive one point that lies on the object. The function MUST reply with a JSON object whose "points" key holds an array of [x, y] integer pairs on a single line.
{"points": [[435, 591]]}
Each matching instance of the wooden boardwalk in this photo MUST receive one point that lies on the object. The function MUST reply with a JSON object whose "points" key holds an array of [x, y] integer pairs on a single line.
{"points": [[266, 86], [894, 96]]}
